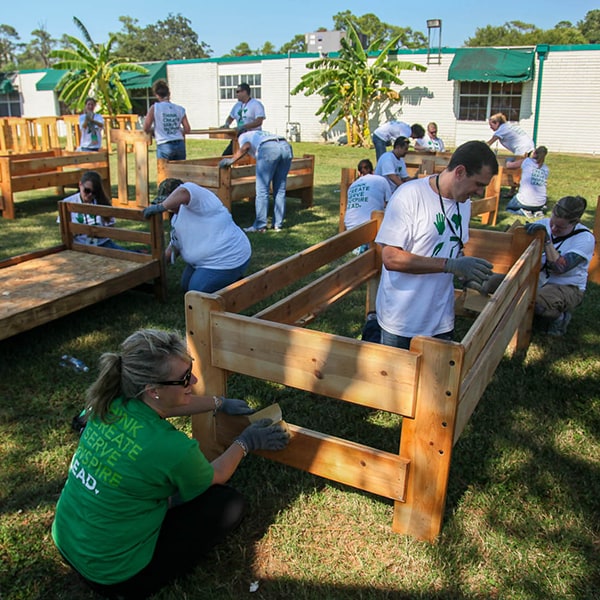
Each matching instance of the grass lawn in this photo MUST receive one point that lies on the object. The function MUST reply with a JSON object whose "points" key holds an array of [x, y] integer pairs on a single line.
{"points": [[522, 517]]}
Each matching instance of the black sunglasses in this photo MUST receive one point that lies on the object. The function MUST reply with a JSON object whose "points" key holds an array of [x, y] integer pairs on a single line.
{"points": [[184, 382]]}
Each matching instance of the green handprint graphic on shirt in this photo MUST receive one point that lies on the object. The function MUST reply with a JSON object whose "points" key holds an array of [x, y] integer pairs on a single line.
{"points": [[456, 219], [440, 223]]}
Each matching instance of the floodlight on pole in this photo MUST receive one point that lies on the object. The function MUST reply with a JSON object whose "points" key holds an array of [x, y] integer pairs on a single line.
{"points": [[433, 25]]}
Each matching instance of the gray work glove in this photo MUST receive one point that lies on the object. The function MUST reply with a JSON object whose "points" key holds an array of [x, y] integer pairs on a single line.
{"points": [[532, 228], [488, 287], [153, 209], [225, 162], [263, 435], [233, 406], [470, 268], [241, 130]]}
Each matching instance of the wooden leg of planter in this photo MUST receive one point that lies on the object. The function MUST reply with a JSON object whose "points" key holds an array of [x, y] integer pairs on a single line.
{"points": [[211, 380], [427, 439]]}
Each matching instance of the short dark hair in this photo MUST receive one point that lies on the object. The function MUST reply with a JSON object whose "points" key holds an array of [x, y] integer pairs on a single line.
{"points": [[417, 131], [473, 156], [244, 86], [161, 89], [570, 208], [365, 165], [401, 141]]}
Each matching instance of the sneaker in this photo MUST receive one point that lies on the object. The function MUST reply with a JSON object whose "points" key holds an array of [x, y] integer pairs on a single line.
{"points": [[276, 228], [253, 229], [559, 326], [538, 214]]}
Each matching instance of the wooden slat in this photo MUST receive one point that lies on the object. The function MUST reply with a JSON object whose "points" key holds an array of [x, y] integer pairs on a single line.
{"points": [[301, 307], [346, 462], [370, 375], [500, 303], [484, 365], [266, 282]]}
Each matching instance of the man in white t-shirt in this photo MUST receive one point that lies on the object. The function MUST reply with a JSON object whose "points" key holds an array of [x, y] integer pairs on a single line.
{"points": [[385, 134], [391, 165], [248, 112], [424, 230], [430, 142]]}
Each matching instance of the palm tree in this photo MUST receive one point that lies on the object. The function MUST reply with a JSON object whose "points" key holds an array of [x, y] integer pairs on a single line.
{"points": [[354, 81], [93, 71]]}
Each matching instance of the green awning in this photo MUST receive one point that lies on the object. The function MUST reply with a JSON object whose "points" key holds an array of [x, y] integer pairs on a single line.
{"points": [[131, 81], [135, 81], [6, 86], [50, 80], [492, 64]]}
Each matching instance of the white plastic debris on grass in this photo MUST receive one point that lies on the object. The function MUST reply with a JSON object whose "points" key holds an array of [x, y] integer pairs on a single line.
{"points": [[254, 586]]}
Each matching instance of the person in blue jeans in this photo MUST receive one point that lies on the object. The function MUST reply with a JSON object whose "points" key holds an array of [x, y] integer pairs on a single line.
{"points": [[216, 251], [273, 155]]}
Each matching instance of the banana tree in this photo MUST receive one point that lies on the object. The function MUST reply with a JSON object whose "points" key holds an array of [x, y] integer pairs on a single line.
{"points": [[92, 70], [354, 81]]}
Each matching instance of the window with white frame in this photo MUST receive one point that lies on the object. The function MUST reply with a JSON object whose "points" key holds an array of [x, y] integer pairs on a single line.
{"points": [[10, 105], [480, 99], [228, 84]]}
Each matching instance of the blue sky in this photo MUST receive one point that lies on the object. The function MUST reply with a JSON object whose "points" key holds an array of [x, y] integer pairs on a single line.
{"points": [[225, 24]]}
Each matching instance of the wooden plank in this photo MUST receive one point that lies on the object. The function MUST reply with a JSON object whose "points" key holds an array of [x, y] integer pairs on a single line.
{"points": [[348, 177], [501, 302], [302, 306], [484, 365], [266, 282], [346, 462], [15, 260], [427, 439], [370, 375], [44, 289]]}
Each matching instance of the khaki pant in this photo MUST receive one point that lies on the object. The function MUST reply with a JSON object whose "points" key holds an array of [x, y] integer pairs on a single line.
{"points": [[553, 300]]}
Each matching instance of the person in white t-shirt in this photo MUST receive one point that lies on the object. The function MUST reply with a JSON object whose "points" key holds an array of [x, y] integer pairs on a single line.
{"points": [[391, 164], [430, 142], [216, 250], [530, 201], [568, 250], [512, 137], [385, 135], [368, 193], [169, 124], [422, 235], [248, 112], [91, 124]]}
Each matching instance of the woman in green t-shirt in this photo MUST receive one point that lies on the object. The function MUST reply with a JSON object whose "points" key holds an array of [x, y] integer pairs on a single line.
{"points": [[141, 504]]}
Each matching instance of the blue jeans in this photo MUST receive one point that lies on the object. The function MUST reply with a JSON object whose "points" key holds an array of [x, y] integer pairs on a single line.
{"points": [[210, 280], [174, 150], [273, 161], [399, 341], [515, 205], [380, 145]]}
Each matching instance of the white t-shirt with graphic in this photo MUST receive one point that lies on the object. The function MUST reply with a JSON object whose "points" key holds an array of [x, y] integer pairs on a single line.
{"points": [[366, 194], [410, 304]]}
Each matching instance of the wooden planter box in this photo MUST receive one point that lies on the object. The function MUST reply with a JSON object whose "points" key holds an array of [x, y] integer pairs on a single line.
{"points": [[435, 385], [51, 168]]}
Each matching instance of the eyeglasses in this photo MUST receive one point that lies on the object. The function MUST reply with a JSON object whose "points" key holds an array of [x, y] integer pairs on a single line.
{"points": [[87, 190], [238, 91], [184, 382]]}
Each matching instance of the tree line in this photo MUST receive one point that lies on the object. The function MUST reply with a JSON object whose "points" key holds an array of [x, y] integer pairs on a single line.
{"points": [[173, 38]]}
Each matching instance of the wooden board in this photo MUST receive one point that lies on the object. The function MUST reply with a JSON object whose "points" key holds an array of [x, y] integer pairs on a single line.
{"points": [[43, 289]]}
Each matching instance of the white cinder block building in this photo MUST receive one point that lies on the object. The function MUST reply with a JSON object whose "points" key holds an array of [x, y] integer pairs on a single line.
{"points": [[552, 91]]}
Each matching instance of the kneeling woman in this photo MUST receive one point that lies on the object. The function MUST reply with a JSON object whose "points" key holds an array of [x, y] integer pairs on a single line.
{"points": [[216, 250], [141, 504]]}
